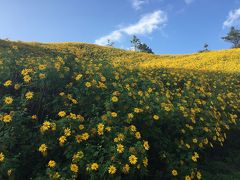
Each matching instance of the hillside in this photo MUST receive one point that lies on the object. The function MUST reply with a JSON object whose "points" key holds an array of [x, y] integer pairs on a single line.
{"points": [[213, 61], [77, 111]]}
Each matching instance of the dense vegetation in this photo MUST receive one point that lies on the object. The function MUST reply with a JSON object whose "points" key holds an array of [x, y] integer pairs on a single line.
{"points": [[72, 110]]}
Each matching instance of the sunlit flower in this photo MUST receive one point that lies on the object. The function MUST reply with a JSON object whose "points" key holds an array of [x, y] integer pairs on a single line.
{"points": [[120, 148], [8, 83], [1, 157], [8, 100], [114, 99], [51, 164], [29, 95], [42, 148], [112, 169], [74, 168], [94, 166], [133, 159], [7, 118], [174, 172], [62, 114]]}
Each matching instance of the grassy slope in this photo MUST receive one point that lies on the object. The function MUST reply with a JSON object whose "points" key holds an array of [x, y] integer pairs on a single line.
{"points": [[214, 61], [221, 163], [223, 60]]}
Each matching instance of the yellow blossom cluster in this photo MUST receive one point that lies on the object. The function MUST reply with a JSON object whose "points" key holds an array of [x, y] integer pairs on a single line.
{"points": [[99, 112]]}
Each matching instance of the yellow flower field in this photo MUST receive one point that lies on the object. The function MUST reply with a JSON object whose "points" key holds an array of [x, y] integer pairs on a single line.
{"points": [[75, 111]]}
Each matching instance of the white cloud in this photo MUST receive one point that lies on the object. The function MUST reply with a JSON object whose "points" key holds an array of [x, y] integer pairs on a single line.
{"points": [[188, 1], [114, 36], [233, 18], [146, 25], [136, 4]]}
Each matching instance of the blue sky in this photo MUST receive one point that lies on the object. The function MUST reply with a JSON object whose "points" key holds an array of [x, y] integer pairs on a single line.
{"points": [[167, 26]]}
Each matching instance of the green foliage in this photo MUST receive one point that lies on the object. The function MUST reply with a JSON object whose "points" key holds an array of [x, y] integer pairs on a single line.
{"points": [[223, 162], [233, 37], [139, 46]]}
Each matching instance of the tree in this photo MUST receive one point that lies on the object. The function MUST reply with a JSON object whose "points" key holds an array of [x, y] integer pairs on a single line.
{"points": [[205, 47], [233, 37], [135, 42], [139, 46], [144, 48], [110, 43]]}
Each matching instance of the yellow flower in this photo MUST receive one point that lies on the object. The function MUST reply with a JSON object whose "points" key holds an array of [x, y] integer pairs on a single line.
{"points": [[78, 77], [194, 158], [8, 83], [88, 84], [120, 148], [156, 117], [114, 114], [29, 95], [94, 166], [112, 169], [138, 135], [138, 110], [17, 86], [133, 128], [7, 118], [146, 145], [81, 126], [67, 132], [108, 129], [132, 159], [1, 157], [114, 99], [56, 175], [145, 162], [34, 116], [27, 78], [126, 169], [195, 140], [85, 136], [78, 155], [25, 72], [120, 137], [199, 175], [42, 67], [187, 177], [46, 125], [74, 168], [9, 172], [8, 100], [42, 75], [57, 65], [42, 148], [62, 114], [100, 126], [78, 138], [61, 94], [51, 164], [130, 115], [62, 139], [174, 172]]}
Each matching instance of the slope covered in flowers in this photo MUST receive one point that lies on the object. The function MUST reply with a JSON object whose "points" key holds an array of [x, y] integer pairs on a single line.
{"points": [[74, 110]]}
